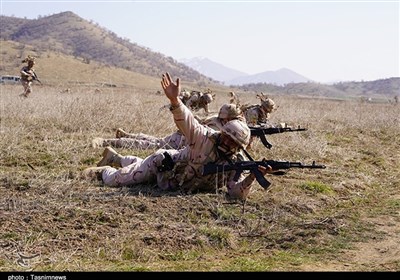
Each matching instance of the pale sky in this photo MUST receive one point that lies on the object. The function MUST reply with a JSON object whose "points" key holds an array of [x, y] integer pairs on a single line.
{"points": [[322, 40]]}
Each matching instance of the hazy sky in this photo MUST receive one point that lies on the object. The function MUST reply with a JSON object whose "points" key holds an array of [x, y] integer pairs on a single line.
{"points": [[322, 40]]}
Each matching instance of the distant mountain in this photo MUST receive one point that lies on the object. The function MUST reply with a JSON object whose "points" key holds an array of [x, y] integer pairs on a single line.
{"points": [[70, 34], [212, 69], [383, 88], [231, 76], [279, 77]]}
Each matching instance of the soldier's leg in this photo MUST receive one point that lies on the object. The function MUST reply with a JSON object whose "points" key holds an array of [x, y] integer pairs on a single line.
{"points": [[27, 88], [130, 143], [174, 141], [126, 143], [110, 158], [135, 170], [120, 133]]}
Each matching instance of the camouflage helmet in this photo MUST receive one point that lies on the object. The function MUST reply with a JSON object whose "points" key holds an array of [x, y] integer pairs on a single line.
{"points": [[207, 98], [268, 104], [238, 131], [28, 59], [229, 111]]}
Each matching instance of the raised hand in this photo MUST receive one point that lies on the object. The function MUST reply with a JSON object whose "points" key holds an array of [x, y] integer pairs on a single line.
{"points": [[171, 90]]}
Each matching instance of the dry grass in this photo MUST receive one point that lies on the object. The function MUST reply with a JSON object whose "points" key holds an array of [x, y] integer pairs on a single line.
{"points": [[307, 220]]}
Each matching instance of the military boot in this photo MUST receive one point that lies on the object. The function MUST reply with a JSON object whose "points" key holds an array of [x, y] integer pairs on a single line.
{"points": [[98, 142], [93, 173], [120, 133], [111, 158]]}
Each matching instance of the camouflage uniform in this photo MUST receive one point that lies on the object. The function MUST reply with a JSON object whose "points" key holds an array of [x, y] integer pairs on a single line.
{"points": [[143, 141], [189, 161], [27, 75], [173, 141], [184, 96], [259, 114], [226, 113], [198, 101]]}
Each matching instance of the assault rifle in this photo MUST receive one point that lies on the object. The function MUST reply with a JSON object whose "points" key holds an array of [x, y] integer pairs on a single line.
{"points": [[262, 131], [35, 78], [252, 166]]}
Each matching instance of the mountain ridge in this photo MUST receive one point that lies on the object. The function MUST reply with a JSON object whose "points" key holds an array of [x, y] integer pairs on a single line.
{"points": [[70, 34], [99, 54], [230, 76]]}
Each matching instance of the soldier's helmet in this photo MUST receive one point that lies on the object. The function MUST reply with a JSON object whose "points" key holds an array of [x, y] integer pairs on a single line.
{"points": [[238, 131], [268, 105], [29, 59], [207, 98], [229, 111]]}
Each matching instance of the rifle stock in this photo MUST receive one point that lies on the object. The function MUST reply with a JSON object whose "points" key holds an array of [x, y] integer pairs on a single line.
{"points": [[252, 166]]}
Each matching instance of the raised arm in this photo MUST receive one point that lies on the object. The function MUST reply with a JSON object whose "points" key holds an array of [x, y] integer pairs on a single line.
{"points": [[171, 90]]}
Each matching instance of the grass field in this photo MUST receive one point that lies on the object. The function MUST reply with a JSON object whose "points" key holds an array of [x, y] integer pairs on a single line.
{"points": [[343, 218]]}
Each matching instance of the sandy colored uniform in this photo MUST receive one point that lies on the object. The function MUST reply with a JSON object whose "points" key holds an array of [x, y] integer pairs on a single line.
{"points": [[189, 161], [144, 141], [175, 140], [256, 115], [198, 101], [26, 79], [217, 123]]}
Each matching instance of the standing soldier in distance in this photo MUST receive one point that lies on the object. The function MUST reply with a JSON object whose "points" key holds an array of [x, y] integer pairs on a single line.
{"points": [[27, 75]]}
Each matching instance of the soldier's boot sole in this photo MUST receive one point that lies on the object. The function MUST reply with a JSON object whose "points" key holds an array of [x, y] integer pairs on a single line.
{"points": [[97, 142], [94, 173], [110, 157], [120, 133]]}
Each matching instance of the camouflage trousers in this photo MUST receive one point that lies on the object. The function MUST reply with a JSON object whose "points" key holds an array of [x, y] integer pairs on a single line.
{"points": [[143, 141], [27, 87], [136, 170]]}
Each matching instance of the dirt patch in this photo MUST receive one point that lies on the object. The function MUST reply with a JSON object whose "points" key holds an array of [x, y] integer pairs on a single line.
{"points": [[380, 253]]}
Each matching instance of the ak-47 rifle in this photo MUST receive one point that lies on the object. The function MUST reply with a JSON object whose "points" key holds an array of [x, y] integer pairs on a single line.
{"points": [[260, 132], [252, 166], [35, 78]]}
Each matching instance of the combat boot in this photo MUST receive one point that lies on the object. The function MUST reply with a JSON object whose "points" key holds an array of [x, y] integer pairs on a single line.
{"points": [[120, 133], [93, 173], [110, 157], [98, 142]]}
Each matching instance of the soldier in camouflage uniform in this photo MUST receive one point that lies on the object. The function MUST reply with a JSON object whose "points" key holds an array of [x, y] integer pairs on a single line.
{"points": [[199, 100], [27, 75], [259, 114], [184, 96], [205, 145], [226, 113], [141, 141], [173, 141]]}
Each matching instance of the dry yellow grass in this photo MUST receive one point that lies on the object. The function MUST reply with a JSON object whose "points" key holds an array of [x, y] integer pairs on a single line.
{"points": [[307, 220]]}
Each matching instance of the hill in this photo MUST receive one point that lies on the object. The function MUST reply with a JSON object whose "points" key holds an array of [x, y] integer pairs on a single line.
{"points": [[279, 77], [231, 76], [213, 69], [384, 89], [72, 50], [70, 34], [64, 71]]}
